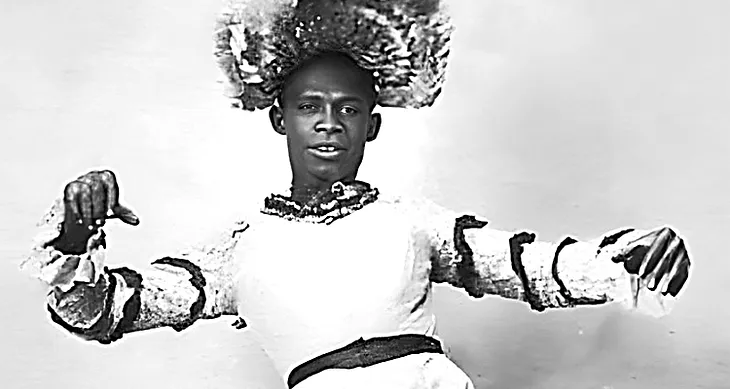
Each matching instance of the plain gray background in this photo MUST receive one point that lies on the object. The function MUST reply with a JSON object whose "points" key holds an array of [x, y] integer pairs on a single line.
{"points": [[564, 117]]}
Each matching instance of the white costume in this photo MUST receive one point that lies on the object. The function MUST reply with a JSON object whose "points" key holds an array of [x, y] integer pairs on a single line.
{"points": [[309, 285]]}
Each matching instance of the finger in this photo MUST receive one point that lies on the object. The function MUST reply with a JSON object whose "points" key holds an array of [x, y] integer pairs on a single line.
{"points": [[71, 206], [657, 251], [111, 186], [680, 277], [662, 274], [83, 200], [98, 197], [646, 239], [123, 213], [681, 254], [635, 258], [126, 215]]}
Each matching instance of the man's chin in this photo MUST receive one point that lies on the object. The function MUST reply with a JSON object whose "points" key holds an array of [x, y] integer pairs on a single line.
{"points": [[329, 172]]}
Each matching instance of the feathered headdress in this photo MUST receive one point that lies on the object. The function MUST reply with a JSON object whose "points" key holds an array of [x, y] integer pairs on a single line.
{"points": [[404, 43]]}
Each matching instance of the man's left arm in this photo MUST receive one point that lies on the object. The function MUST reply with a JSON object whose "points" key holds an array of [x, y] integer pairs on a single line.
{"points": [[644, 270]]}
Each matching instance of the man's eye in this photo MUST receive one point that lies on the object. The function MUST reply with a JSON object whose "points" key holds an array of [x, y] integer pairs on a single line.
{"points": [[307, 107], [349, 110]]}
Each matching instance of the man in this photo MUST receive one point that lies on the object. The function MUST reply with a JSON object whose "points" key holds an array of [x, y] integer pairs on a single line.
{"points": [[335, 276]]}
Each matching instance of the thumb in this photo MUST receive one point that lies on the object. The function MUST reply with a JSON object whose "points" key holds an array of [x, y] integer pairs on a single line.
{"points": [[125, 214]]}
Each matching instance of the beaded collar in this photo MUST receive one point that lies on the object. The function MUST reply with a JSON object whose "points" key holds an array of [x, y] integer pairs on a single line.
{"points": [[323, 207]]}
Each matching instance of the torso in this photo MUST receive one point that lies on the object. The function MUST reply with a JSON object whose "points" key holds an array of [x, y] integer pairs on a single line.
{"points": [[308, 288]]}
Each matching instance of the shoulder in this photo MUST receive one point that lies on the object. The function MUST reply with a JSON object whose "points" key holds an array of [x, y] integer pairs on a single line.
{"points": [[400, 201], [416, 207]]}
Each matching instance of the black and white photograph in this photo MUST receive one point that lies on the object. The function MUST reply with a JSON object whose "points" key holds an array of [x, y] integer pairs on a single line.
{"points": [[351, 194]]}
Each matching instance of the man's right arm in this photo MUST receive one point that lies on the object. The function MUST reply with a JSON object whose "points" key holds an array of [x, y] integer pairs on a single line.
{"points": [[99, 303]]}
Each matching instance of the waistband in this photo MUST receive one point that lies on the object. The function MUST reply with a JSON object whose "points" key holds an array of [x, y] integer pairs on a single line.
{"points": [[364, 353]]}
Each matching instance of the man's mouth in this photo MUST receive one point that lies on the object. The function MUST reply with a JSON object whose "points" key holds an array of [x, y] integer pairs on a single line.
{"points": [[326, 149], [327, 152]]}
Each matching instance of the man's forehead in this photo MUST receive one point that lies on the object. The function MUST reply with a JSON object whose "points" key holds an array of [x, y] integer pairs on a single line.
{"points": [[330, 73], [333, 66], [331, 58]]}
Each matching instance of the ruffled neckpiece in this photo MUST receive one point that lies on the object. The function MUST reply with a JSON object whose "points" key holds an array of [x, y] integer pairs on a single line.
{"points": [[322, 207]]}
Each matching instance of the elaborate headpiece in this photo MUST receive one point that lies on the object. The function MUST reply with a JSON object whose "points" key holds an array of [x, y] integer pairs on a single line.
{"points": [[404, 43]]}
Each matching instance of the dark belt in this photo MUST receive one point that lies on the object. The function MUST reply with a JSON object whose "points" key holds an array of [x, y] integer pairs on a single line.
{"points": [[364, 353]]}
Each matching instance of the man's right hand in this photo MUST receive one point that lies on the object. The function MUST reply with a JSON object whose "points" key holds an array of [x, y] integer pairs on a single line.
{"points": [[88, 202]]}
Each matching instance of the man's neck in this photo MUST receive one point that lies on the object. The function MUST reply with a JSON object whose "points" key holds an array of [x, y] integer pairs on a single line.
{"points": [[302, 194], [303, 190]]}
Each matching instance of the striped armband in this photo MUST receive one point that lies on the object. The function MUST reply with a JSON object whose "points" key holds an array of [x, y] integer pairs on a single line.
{"points": [[570, 301], [197, 280], [592, 294], [516, 250], [465, 267]]}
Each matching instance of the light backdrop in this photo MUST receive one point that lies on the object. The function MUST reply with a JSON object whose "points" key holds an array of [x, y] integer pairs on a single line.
{"points": [[563, 117]]}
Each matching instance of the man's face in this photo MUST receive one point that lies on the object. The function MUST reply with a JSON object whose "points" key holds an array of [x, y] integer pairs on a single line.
{"points": [[326, 115]]}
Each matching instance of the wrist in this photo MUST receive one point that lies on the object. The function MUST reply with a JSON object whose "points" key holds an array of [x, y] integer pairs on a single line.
{"points": [[63, 270], [584, 277], [67, 246], [78, 241], [68, 269]]}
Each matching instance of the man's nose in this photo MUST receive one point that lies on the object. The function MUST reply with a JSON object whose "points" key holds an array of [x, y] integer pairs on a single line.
{"points": [[329, 122]]}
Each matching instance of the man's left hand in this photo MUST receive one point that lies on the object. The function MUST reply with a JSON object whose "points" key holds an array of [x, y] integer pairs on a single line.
{"points": [[660, 259]]}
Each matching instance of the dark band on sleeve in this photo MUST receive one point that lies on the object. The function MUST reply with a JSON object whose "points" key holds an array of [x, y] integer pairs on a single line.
{"points": [[613, 238], [563, 290], [197, 279], [98, 331], [239, 231], [569, 299], [465, 267], [132, 307], [515, 246]]}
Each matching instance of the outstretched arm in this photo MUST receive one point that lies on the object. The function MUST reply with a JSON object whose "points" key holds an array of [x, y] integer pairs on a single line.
{"points": [[99, 303], [619, 266]]}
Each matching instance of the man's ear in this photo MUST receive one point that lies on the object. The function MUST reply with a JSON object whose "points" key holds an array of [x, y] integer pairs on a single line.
{"points": [[374, 127], [276, 117]]}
